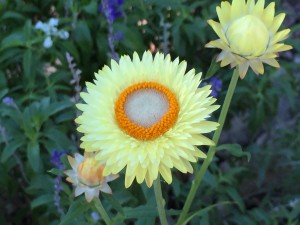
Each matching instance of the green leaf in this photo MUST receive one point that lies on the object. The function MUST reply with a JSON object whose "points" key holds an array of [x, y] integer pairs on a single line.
{"points": [[12, 15], [58, 137], [83, 36], [15, 39], [140, 211], [132, 38], [10, 149], [59, 106], [114, 203], [91, 8], [78, 207], [42, 200], [33, 155], [56, 172], [236, 197], [203, 211], [27, 62], [3, 92], [213, 68], [295, 212], [234, 149]]}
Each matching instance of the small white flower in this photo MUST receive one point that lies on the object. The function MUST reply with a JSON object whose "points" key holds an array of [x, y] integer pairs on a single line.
{"points": [[48, 42], [50, 29], [63, 34], [39, 25], [53, 22]]}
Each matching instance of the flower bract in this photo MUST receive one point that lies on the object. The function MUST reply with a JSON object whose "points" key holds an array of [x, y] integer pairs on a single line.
{"points": [[248, 35], [87, 176], [147, 115]]}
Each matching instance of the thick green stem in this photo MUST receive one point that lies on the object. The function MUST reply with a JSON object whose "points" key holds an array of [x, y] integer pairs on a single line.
{"points": [[102, 211], [211, 152], [160, 202]]}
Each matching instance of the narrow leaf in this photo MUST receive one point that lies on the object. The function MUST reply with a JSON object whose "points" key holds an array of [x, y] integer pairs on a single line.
{"points": [[234, 149], [33, 155]]}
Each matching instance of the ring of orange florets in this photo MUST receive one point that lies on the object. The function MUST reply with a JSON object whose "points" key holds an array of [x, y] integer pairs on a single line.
{"points": [[157, 129]]}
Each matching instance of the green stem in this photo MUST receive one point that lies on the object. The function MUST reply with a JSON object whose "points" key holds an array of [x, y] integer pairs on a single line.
{"points": [[102, 211], [160, 202], [211, 152]]}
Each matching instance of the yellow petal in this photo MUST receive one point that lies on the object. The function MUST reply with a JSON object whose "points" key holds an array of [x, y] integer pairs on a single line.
{"points": [[71, 161], [148, 179], [188, 166], [238, 8], [199, 153], [259, 8], [280, 47], [128, 180], [217, 44], [218, 29], [180, 165], [257, 66], [243, 68], [166, 173], [277, 22], [271, 62], [284, 48], [280, 36], [250, 5], [140, 174], [268, 14], [271, 55], [227, 60], [224, 13]]}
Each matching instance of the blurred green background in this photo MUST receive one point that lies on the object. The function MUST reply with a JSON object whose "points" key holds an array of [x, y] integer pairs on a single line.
{"points": [[39, 87]]}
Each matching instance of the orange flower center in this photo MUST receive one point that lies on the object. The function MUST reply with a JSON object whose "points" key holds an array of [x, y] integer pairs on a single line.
{"points": [[146, 110]]}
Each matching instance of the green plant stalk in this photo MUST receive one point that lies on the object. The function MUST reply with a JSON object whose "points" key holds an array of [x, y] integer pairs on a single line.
{"points": [[160, 202], [102, 211], [211, 152]]}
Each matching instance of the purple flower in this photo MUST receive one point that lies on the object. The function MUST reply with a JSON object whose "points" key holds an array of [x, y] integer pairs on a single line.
{"points": [[216, 86], [8, 101], [118, 36], [55, 160], [111, 9]]}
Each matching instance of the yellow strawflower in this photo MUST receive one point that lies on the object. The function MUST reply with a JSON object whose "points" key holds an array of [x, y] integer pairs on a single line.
{"points": [[87, 176], [248, 35], [147, 115]]}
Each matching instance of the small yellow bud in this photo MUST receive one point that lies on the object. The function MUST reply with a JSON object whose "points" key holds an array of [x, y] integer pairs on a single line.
{"points": [[248, 36], [90, 172]]}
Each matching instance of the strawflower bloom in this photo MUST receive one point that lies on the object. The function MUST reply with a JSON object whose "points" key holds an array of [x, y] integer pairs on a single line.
{"points": [[248, 35], [87, 176], [147, 115]]}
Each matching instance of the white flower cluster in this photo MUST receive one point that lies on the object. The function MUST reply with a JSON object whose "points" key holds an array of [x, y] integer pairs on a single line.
{"points": [[50, 29]]}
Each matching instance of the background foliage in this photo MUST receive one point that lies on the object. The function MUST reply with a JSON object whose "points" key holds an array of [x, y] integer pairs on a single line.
{"points": [[39, 87]]}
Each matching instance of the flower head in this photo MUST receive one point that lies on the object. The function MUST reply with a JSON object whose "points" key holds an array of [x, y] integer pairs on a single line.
{"points": [[50, 29], [8, 101], [87, 176], [55, 158], [56, 161], [248, 35], [111, 9], [146, 115]]}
